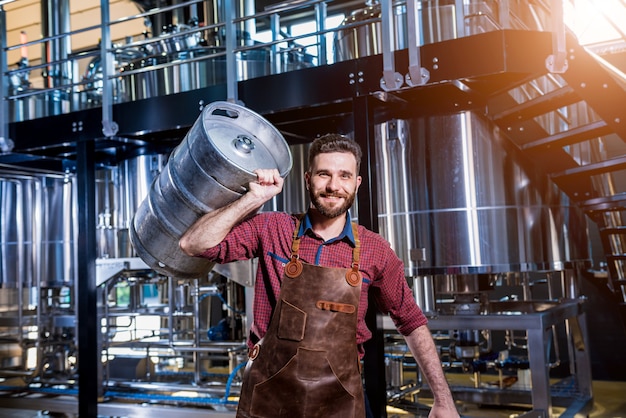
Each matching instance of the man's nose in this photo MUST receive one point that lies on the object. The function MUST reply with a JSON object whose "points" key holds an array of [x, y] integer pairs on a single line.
{"points": [[333, 183]]}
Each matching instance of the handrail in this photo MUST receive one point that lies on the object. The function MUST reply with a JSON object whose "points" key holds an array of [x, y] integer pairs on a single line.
{"points": [[484, 18]]}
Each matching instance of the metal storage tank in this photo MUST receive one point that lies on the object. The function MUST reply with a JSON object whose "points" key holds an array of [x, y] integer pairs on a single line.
{"points": [[449, 185]]}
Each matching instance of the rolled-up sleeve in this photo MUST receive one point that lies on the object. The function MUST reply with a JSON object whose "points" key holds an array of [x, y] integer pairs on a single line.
{"points": [[394, 297], [241, 243]]}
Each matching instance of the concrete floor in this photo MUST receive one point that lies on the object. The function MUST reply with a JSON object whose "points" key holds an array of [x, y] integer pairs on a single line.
{"points": [[609, 402]]}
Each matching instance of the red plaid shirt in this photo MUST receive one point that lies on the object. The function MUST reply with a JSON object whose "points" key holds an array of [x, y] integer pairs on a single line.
{"points": [[269, 235]]}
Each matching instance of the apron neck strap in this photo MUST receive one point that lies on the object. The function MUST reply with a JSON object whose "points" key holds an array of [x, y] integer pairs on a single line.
{"points": [[356, 252]]}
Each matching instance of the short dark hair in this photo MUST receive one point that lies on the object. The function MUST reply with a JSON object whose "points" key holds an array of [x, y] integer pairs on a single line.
{"points": [[335, 143]]}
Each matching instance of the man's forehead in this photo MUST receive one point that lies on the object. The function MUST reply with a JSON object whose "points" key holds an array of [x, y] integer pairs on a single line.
{"points": [[330, 157]]}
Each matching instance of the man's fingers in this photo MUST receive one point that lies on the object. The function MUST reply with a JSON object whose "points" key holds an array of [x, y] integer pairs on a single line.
{"points": [[267, 177]]}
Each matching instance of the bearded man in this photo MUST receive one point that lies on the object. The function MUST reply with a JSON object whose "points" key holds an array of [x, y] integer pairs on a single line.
{"points": [[311, 292]]}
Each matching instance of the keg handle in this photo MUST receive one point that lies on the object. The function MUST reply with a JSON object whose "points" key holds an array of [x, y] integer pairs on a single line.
{"points": [[241, 116], [232, 110]]}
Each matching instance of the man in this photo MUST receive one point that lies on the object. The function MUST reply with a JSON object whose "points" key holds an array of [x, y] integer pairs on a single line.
{"points": [[311, 292]]}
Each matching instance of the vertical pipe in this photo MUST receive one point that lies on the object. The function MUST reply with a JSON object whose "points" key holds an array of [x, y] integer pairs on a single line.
{"points": [[231, 44], [417, 74], [3, 237], [320, 19], [109, 127], [504, 14], [171, 310], [55, 20], [68, 238], [210, 11], [4, 85], [569, 285], [248, 9], [391, 79], [55, 23], [459, 14], [88, 355], [557, 62], [196, 334], [275, 30]]}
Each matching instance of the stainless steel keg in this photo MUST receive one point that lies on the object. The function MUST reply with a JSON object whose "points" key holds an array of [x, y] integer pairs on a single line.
{"points": [[209, 169]]}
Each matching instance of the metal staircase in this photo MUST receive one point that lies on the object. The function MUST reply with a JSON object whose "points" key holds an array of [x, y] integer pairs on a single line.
{"points": [[572, 125]]}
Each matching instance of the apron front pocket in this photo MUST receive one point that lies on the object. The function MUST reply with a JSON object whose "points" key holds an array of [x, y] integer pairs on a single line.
{"points": [[305, 387]]}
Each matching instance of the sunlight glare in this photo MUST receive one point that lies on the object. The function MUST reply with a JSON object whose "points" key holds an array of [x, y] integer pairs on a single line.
{"points": [[595, 22]]}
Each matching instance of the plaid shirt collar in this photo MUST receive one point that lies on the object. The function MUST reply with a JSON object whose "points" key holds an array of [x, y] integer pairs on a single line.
{"points": [[346, 234]]}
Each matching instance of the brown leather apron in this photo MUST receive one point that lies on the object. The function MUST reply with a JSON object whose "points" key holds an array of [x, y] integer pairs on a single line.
{"points": [[307, 364]]}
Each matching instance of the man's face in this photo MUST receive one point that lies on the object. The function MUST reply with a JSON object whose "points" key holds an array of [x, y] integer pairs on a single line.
{"points": [[333, 182]]}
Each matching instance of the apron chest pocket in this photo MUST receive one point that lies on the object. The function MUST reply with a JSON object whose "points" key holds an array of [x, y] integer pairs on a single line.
{"points": [[291, 323]]}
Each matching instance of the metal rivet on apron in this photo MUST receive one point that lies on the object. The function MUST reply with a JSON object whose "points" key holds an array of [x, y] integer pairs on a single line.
{"points": [[353, 277], [293, 268], [254, 352]]}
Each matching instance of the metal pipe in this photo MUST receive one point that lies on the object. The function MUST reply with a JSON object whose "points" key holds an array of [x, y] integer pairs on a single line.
{"points": [[557, 61], [55, 23], [417, 75], [320, 22], [391, 80], [196, 321], [109, 126], [5, 142], [232, 72], [275, 30]]}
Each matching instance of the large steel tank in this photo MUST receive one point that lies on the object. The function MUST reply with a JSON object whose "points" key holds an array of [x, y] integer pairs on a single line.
{"points": [[119, 192], [38, 230], [37, 249], [437, 21], [209, 169], [455, 200], [362, 32], [176, 72]]}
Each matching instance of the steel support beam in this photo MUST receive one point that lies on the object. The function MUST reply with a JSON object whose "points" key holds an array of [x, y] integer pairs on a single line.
{"points": [[88, 327], [374, 361]]}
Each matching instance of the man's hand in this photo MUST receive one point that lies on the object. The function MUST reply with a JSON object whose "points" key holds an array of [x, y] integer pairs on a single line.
{"points": [[269, 183], [443, 411]]}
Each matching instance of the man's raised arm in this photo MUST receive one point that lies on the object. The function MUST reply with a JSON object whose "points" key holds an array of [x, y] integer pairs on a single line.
{"points": [[212, 228]]}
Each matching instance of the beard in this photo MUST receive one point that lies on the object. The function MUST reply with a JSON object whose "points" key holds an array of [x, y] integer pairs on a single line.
{"points": [[329, 211]]}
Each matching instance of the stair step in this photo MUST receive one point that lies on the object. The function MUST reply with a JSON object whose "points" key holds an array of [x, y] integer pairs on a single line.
{"points": [[614, 230], [576, 181], [570, 137], [595, 85], [593, 169], [604, 203], [541, 105], [616, 256]]}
